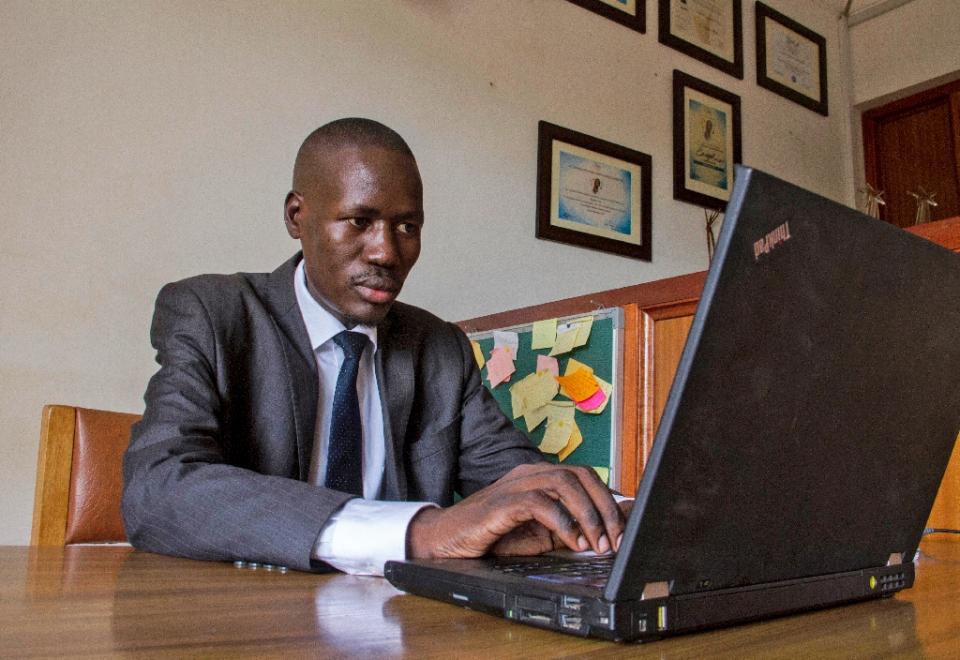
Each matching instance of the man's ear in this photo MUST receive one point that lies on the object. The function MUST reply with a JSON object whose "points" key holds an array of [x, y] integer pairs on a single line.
{"points": [[292, 207]]}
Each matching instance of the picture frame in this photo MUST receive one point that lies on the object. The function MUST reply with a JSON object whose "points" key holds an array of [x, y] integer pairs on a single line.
{"points": [[706, 141], [710, 31], [592, 193], [631, 13], [791, 59]]}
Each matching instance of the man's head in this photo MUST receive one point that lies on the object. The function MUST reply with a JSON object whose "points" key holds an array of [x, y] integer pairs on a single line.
{"points": [[357, 208]]}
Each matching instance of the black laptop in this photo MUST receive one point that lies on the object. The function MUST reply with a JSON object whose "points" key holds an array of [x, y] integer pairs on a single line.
{"points": [[809, 425]]}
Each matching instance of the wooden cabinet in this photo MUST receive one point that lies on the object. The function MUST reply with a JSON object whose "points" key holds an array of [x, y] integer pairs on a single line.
{"points": [[657, 317]]}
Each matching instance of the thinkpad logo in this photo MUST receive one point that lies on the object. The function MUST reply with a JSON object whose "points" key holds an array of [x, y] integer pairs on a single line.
{"points": [[771, 241]]}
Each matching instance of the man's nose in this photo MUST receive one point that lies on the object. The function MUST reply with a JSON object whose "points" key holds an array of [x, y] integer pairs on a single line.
{"points": [[382, 248]]}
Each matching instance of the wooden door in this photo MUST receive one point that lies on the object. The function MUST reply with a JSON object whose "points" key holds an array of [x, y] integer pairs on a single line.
{"points": [[911, 144]]}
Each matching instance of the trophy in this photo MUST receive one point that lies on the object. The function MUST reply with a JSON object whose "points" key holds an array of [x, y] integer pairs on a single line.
{"points": [[924, 202], [710, 216], [872, 200]]}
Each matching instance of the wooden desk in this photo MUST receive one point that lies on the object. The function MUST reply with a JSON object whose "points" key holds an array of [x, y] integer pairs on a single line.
{"points": [[112, 601]]}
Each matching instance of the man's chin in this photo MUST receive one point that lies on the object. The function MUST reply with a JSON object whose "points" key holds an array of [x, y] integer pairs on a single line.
{"points": [[366, 314]]}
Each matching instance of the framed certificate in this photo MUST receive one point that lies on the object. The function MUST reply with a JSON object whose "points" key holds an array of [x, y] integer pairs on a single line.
{"points": [[631, 13], [791, 59], [708, 30], [592, 193], [706, 141]]}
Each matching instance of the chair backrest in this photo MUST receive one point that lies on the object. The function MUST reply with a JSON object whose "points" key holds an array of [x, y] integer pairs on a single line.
{"points": [[79, 476]]}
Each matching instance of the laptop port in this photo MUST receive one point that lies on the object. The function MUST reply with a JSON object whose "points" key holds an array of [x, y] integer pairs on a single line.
{"points": [[571, 603], [537, 618], [571, 621]]}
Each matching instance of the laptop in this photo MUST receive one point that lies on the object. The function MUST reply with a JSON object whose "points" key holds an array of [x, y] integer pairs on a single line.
{"points": [[809, 425]]}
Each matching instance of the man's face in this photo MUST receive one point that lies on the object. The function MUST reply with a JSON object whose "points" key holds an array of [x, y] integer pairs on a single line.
{"points": [[359, 222]]}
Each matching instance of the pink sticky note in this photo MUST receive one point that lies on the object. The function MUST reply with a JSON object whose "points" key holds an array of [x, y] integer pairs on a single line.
{"points": [[593, 402], [499, 366], [545, 362]]}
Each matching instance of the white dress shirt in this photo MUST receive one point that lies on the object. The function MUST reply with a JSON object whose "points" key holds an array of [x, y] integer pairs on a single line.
{"points": [[365, 533]]}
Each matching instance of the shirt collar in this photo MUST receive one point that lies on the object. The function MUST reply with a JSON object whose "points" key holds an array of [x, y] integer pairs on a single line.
{"points": [[322, 326]]}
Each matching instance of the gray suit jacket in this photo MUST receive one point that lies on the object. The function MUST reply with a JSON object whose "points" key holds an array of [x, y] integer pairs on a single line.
{"points": [[216, 469]]}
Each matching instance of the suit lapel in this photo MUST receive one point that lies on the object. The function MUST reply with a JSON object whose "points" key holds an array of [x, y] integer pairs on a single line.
{"points": [[395, 374], [300, 363]]}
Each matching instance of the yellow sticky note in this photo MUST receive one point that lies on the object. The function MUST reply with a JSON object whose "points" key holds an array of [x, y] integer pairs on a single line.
{"points": [[556, 436], [543, 387], [603, 473], [573, 365], [518, 397], [544, 334], [576, 439], [579, 385], [478, 354], [566, 340], [583, 326], [608, 390], [561, 410], [534, 418]]}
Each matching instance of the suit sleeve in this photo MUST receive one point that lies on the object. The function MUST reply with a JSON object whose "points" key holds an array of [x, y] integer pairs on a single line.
{"points": [[181, 496], [490, 445]]}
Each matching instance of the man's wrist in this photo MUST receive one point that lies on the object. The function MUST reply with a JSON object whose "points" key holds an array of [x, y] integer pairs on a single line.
{"points": [[419, 533]]}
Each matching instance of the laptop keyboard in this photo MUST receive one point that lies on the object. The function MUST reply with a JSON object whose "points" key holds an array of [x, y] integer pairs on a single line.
{"points": [[588, 572]]}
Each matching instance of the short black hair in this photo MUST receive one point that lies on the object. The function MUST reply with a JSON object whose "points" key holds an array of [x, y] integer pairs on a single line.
{"points": [[349, 131]]}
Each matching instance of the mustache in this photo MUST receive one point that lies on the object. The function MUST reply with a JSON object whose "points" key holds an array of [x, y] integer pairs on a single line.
{"points": [[378, 278]]}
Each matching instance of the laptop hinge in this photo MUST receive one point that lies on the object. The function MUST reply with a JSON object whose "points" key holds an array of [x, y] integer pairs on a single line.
{"points": [[655, 590], [895, 558]]}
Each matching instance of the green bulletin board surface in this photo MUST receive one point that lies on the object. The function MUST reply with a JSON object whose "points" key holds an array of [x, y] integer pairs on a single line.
{"points": [[599, 353]]}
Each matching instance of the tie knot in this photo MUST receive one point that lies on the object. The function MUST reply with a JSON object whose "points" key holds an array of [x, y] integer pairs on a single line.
{"points": [[352, 344]]}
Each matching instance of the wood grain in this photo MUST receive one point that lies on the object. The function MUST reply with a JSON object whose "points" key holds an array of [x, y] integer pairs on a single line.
{"points": [[114, 602], [55, 456]]}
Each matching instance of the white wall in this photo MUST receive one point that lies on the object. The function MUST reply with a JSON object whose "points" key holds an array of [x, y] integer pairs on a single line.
{"points": [[142, 142], [905, 48]]}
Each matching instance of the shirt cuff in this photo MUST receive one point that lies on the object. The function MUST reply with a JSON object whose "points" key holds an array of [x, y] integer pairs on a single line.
{"points": [[363, 535]]}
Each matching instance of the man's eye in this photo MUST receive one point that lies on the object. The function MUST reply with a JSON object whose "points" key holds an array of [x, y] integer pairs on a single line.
{"points": [[409, 228], [359, 223]]}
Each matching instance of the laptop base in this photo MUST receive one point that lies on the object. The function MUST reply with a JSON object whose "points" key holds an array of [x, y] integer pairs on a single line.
{"points": [[582, 611]]}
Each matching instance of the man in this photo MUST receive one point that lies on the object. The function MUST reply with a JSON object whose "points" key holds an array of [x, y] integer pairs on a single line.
{"points": [[272, 434]]}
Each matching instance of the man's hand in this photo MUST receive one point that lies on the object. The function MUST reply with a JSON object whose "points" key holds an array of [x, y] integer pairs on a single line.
{"points": [[523, 513]]}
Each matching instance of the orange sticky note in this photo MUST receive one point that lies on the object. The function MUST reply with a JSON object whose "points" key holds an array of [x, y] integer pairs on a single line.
{"points": [[579, 385]]}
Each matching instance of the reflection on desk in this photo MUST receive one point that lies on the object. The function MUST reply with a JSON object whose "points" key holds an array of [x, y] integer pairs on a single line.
{"points": [[103, 601]]}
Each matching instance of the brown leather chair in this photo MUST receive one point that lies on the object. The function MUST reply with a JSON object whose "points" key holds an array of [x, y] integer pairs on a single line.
{"points": [[79, 479]]}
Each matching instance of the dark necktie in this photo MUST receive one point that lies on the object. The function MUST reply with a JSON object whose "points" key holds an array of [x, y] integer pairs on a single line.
{"points": [[345, 454]]}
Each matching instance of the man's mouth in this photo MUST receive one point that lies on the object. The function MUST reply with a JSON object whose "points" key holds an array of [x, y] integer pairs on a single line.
{"points": [[377, 290]]}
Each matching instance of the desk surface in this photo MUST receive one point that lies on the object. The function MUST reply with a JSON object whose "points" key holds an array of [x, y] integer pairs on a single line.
{"points": [[103, 601]]}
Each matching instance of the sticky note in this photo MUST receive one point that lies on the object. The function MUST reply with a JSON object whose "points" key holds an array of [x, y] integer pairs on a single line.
{"points": [[566, 340], [478, 354], [548, 364], [556, 436], [607, 389], [518, 401], [583, 326], [499, 366], [579, 386], [603, 473], [534, 418], [532, 392], [573, 365], [504, 339], [594, 402], [544, 334], [575, 440], [561, 410]]}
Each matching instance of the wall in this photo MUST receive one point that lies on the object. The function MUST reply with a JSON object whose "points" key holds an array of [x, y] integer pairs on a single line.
{"points": [[142, 142], [904, 49]]}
